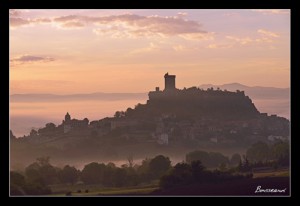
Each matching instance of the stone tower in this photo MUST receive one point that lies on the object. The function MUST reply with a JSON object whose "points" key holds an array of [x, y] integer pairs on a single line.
{"points": [[169, 82]]}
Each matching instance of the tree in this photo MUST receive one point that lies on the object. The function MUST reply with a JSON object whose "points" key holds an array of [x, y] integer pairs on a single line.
{"points": [[216, 159], [222, 167], [280, 152], [17, 179], [117, 114], [235, 159], [69, 174], [50, 126], [42, 171], [33, 133], [197, 155], [93, 173], [120, 177], [159, 165], [111, 165], [197, 170], [17, 183], [32, 172], [143, 170], [130, 161], [11, 135], [129, 111], [43, 161], [109, 174], [181, 174], [212, 159], [259, 151], [21, 186], [37, 179], [244, 166]]}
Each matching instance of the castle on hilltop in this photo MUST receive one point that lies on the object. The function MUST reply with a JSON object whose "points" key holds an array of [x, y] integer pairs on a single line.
{"points": [[200, 101]]}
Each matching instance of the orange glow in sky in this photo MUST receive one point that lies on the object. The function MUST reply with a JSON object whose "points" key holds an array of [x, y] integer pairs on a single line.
{"points": [[84, 51]]}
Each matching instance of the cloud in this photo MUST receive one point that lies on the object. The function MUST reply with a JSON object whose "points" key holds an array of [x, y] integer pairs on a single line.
{"points": [[137, 25], [242, 41], [30, 59], [73, 24], [198, 36], [219, 46], [67, 18], [272, 11], [267, 33], [14, 12], [265, 37], [182, 14], [41, 20], [17, 21], [127, 25]]}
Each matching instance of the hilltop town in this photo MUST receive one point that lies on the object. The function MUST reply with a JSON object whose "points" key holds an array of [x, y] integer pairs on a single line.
{"points": [[191, 116]]}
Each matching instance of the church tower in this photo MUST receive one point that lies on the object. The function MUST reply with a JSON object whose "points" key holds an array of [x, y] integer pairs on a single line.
{"points": [[67, 117]]}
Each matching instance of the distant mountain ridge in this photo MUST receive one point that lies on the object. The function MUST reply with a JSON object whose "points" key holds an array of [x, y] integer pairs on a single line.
{"points": [[257, 92]]}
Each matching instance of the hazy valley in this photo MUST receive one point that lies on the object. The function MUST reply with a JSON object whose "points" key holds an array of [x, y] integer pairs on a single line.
{"points": [[29, 111]]}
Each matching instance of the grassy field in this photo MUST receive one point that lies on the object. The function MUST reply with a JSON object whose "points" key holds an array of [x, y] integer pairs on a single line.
{"points": [[99, 190], [273, 173], [268, 178]]}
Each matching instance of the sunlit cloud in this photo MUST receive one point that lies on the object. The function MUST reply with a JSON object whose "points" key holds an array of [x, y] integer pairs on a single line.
{"points": [[73, 24], [242, 41], [219, 46], [198, 36], [135, 25], [41, 20], [182, 14], [265, 37], [267, 33], [272, 11], [130, 25]]}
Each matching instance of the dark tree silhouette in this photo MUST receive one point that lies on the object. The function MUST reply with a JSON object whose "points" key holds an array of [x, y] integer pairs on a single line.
{"points": [[69, 174], [159, 165]]}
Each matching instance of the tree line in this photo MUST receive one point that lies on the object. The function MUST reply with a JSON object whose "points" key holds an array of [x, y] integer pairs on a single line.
{"points": [[38, 176]]}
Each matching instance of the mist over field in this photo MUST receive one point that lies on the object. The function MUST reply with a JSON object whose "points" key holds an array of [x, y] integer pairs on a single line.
{"points": [[29, 111]]}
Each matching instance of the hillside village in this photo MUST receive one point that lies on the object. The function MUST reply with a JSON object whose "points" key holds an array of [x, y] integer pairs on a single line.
{"points": [[173, 117]]}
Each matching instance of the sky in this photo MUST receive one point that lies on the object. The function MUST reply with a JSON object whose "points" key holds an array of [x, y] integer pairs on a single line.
{"points": [[86, 51]]}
